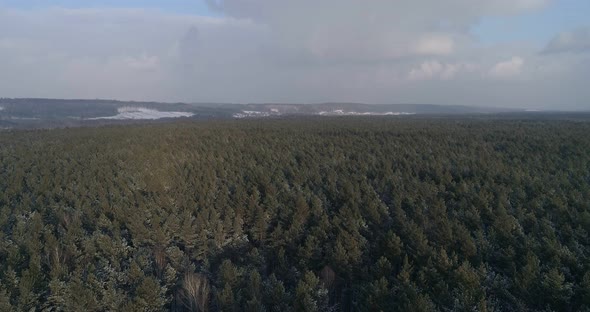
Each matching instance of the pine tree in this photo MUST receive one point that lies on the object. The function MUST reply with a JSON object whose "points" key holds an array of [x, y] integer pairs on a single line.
{"points": [[310, 295]]}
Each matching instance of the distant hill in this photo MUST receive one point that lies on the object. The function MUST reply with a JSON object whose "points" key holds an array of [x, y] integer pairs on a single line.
{"points": [[41, 113]]}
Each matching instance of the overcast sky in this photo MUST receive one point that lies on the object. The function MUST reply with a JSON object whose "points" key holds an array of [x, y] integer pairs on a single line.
{"points": [[510, 53]]}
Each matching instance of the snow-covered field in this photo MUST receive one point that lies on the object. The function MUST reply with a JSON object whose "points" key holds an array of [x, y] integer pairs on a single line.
{"points": [[246, 114], [340, 112], [23, 118], [126, 113]]}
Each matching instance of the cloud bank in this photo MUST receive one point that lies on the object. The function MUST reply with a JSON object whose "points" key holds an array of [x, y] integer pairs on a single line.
{"points": [[576, 41], [419, 51]]}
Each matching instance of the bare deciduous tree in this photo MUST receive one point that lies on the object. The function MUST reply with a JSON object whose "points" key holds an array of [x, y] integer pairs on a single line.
{"points": [[195, 292]]}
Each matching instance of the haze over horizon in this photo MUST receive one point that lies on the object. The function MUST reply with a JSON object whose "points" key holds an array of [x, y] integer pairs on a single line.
{"points": [[519, 53]]}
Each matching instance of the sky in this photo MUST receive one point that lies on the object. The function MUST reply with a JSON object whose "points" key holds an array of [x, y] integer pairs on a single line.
{"points": [[531, 54]]}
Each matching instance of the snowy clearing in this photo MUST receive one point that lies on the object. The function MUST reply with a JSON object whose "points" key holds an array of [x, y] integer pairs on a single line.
{"points": [[245, 114], [340, 112], [137, 113]]}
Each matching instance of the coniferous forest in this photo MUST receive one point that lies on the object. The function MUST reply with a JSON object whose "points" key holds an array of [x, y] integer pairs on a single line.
{"points": [[335, 214]]}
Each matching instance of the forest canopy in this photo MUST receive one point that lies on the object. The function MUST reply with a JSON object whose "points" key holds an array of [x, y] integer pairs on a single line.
{"points": [[335, 214]]}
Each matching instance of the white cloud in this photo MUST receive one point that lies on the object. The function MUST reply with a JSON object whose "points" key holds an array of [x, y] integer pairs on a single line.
{"points": [[509, 68], [427, 70], [378, 30], [435, 70], [576, 41], [143, 62], [435, 45]]}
